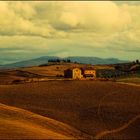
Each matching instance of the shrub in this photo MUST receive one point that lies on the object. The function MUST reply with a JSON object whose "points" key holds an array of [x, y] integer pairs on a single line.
{"points": [[17, 81], [59, 75]]}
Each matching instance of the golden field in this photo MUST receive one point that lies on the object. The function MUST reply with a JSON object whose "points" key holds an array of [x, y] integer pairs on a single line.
{"points": [[70, 109]]}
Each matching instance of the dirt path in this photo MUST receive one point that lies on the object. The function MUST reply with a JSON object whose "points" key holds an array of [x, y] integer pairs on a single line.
{"points": [[106, 132], [131, 84]]}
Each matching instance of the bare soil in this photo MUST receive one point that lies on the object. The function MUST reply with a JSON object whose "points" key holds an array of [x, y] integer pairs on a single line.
{"points": [[90, 107]]}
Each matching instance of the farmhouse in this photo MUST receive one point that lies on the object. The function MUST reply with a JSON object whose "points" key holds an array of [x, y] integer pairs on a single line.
{"points": [[89, 73], [75, 73], [78, 73]]}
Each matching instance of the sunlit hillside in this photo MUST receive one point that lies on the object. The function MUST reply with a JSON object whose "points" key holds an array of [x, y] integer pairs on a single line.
{"points": [[21, 124]]}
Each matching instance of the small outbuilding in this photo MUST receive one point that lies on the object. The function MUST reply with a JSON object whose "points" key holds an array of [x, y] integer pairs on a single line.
{"points": [[89, 73], [75, 73]]}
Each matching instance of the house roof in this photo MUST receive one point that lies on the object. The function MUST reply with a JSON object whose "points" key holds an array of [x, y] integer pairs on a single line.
{"points": [[85, 68], [88, 68], [73, 68]]}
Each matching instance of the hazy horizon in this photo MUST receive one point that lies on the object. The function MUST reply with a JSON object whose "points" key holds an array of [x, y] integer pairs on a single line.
{"points": [[104, 29], [64, 58]]}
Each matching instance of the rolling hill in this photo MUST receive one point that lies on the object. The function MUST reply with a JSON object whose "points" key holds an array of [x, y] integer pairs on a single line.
{"points": [[22, 124], [89, 108], [44, 60]]}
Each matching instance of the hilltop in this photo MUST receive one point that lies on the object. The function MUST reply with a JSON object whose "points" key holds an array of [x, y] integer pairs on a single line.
{"points": [[55, 70], [40, 72]]}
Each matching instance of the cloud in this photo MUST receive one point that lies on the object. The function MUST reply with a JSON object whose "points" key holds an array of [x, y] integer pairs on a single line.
{"points": [[45, 26], [18, 19], [48, 19], [93, 16]]}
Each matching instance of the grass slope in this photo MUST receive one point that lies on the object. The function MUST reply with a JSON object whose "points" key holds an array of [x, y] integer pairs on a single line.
{"points": [[18, 123]]}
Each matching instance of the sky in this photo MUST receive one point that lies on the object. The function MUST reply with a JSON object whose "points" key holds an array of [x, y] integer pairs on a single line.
{"points": [[105, 29]]}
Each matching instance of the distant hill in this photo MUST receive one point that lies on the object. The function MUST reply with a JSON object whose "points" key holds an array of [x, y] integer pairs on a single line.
{"points": [[29, 63], [44, 60], [96, 60]]}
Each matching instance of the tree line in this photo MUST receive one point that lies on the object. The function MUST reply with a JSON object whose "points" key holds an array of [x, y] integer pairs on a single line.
{"points": [[59, 60]]}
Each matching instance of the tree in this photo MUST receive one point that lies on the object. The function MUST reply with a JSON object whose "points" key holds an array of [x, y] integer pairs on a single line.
{"points": [[137, 61], [57, 60], [68, 60]]}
